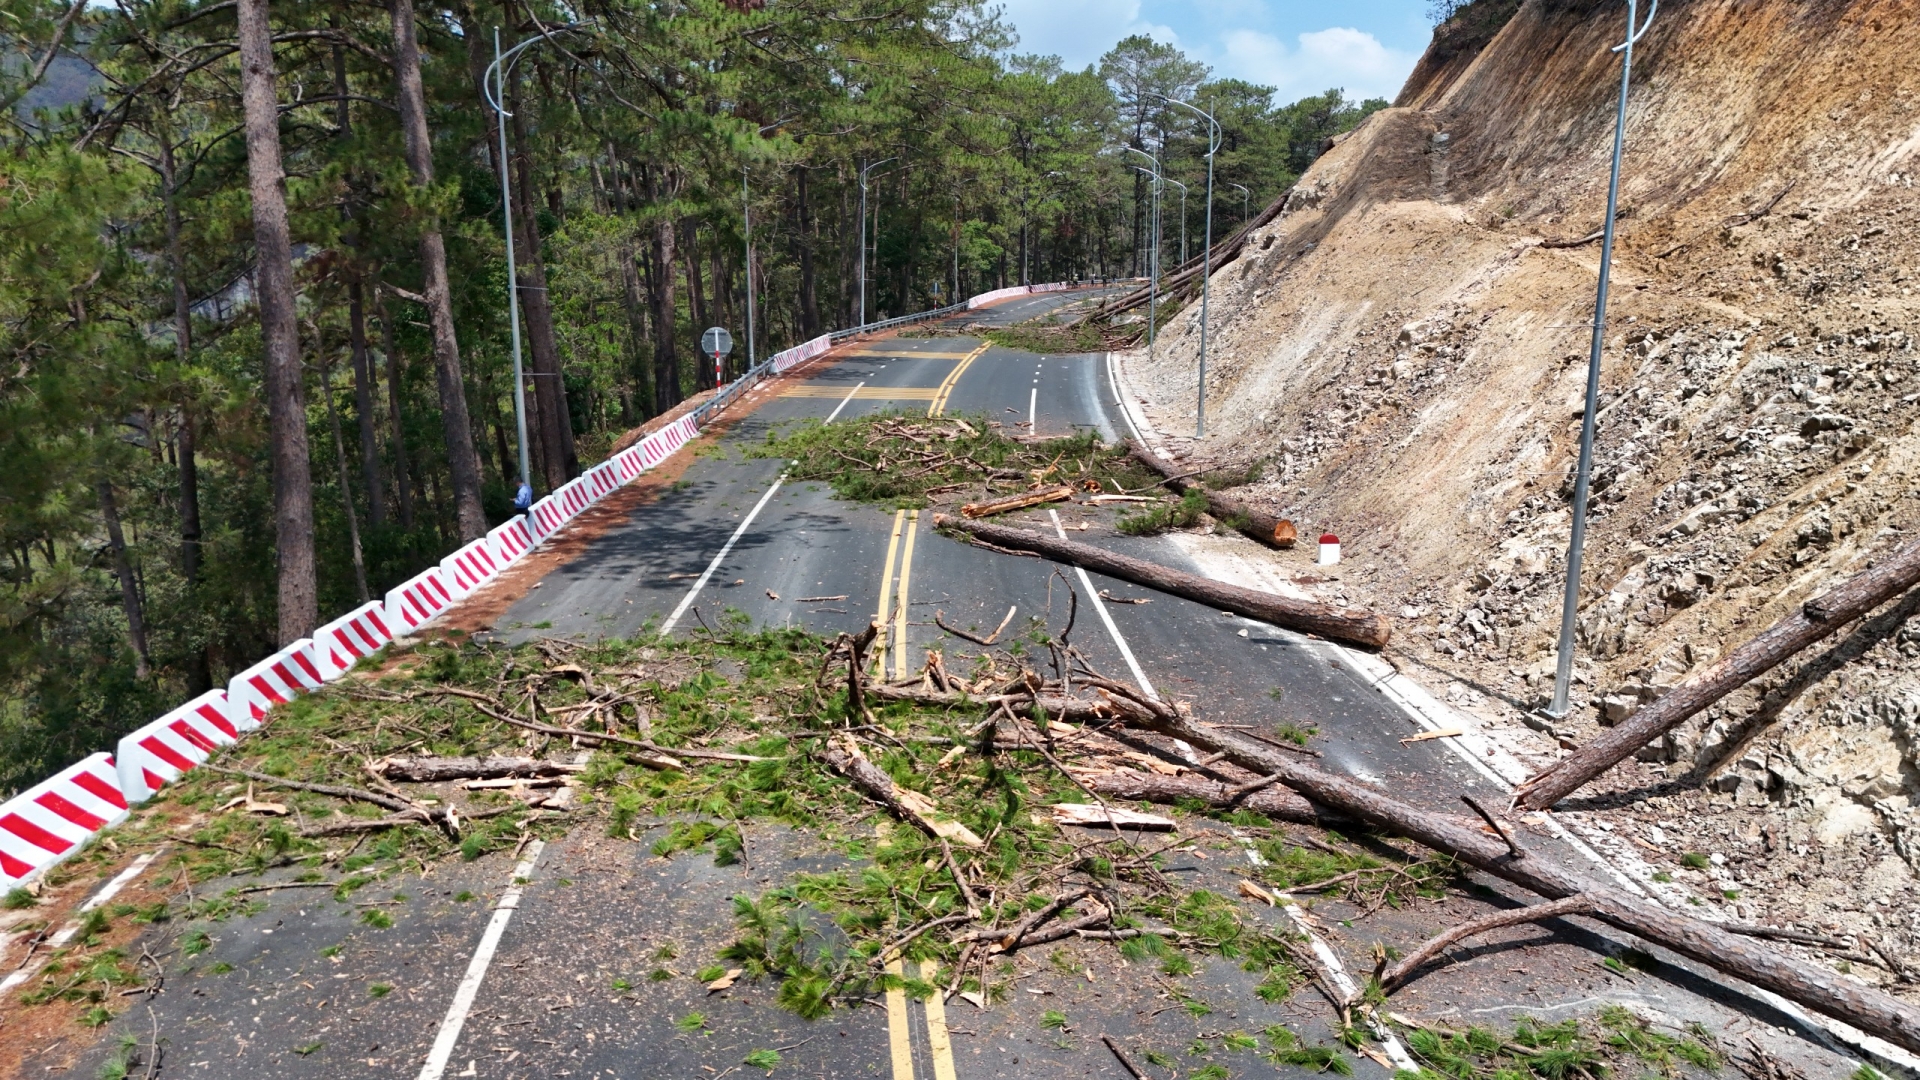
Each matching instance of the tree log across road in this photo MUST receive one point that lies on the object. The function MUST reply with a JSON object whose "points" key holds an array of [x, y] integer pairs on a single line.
{"points": [[1356, 626], [1817, 618], [1813, 985]]}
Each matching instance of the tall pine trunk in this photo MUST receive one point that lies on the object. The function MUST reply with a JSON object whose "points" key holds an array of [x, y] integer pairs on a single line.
{"points": [[809, 300], [463, 463], [340, 460], [299, 597], [357, 308], [696, 296], [666, 354], [402, 469], [129, 588], [550, 386]]}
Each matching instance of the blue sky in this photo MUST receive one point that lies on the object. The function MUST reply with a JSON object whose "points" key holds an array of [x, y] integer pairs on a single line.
{"points": [[1302, 47]]}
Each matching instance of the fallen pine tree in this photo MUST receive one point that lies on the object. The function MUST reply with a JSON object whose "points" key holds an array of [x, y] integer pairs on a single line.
{"points": [[1818, 618], [1341, 624], [1812, 985], [1250, 521]]}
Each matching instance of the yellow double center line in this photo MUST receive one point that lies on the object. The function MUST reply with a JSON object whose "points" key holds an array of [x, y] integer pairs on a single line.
{"points": [[953, 377], [897, 574], [900, 1031]]}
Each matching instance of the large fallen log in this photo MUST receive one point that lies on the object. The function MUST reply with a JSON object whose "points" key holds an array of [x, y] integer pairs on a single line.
{"points": [[1818, 618], [1279, 803], [1021, 501], [1250, 521], [429, 769], [1811, 985], [1359, 627]]}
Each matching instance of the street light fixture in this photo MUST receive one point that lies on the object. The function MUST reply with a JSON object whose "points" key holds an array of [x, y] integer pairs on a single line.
{"points": [[863, 235], [1576, 544], [494, 86], [1245, 197], [1206, 272]]}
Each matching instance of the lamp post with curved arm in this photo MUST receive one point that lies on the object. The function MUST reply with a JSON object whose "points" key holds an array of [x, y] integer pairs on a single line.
{"points": [[863, 234], [1245, 198], [1206, 257], [494, 86], [1576, 543]]}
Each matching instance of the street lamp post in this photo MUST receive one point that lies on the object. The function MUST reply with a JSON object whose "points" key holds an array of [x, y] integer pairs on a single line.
{"points": [[1245, 198], [863, 235], [1206, 257], [1576, 544], [494, 85]]}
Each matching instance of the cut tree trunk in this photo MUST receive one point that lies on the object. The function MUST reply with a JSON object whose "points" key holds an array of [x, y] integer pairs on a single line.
{"points": [[1812, 985], [1254, 524], [1017, 502], [429, 769], [1352, 625], [1818, 618], [298, 587], [463, 462]]}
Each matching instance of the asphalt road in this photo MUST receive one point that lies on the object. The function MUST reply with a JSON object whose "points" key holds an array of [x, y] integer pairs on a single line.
{"points": [[293, 989]]}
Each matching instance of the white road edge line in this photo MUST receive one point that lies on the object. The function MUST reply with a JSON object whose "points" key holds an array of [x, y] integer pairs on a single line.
{"points": [[450, 1027], [843, 403], [1336, 970], [1033, 410], [65, 934], [1112, 630], [687, 601]]}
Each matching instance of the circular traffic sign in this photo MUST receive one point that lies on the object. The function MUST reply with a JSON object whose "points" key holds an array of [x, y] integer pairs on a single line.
{"points": [[716, 341]]}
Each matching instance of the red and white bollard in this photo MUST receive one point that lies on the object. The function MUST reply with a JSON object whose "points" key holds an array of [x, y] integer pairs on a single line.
{"points": [[1329, 549]]}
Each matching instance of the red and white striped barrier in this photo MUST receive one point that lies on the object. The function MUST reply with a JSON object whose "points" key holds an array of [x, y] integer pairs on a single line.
{"points": [[510, 541], [661, 443], [274, 681], [601, 480], [546, 516], [420, 599], [169, 748], [628, 463], [52, 819], [804, 351], [469, 568], [341, 643], [997, 294]]}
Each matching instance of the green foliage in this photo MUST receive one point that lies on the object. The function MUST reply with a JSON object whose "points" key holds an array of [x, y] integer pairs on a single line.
{"points": [[762, 1059], [1693, 860], [379, 990], [1161, 517], [895, 460], [18, 899]]}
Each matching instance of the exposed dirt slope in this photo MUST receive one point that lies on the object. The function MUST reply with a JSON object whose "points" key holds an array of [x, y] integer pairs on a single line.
{"points": [[1407, 344]]}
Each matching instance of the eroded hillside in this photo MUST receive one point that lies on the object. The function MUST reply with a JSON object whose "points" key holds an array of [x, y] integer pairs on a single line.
{"points": [[1406, 344]]}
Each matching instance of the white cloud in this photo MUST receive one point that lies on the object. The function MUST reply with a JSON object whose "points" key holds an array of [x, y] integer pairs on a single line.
{"points": [[1338, 56], [1079, 32]]}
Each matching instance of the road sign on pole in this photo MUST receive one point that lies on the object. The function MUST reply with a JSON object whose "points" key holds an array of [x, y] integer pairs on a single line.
{"points": [[717, 343]]}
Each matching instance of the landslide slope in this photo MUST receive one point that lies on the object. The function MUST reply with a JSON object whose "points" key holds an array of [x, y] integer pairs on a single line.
{"points": [[1406, 343]]}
